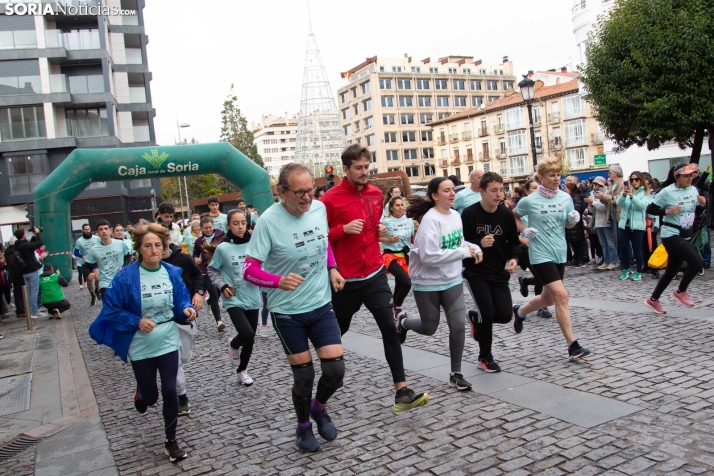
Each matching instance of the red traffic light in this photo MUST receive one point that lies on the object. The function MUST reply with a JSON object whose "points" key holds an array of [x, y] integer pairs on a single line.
{"points": [[329, 169]]}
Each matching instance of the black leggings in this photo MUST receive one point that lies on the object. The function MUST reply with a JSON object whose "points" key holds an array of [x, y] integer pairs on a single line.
{"points": [[679, 251], [402, 283], [492, 297], [595, 246], [245, 322], [145, 373], [264, 310], [213, 297]]}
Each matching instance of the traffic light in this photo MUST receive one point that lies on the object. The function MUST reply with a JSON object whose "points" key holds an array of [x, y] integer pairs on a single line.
{"points": [[329, 176]]}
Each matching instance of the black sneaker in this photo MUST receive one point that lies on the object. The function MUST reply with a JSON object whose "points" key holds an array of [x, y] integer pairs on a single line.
{"points": [[173, 451], [325, 427], [184, 406], [406, 399], [544, 313], [305, 439], [488, 365], [523, 286], [517, 324], [94, 299], [401, 330], [98, 294], [457, 380], [473, 319], [577, 352], [138, 404]]}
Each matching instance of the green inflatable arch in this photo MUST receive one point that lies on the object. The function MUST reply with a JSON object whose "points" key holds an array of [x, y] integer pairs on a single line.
{"points": [[53, 197]]}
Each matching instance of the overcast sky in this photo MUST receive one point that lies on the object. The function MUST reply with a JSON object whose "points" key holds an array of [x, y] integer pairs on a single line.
{"points": [[197, 49]]}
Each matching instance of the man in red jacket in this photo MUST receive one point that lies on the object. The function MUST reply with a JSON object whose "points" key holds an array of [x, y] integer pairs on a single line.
{"points": [[354, 209]]}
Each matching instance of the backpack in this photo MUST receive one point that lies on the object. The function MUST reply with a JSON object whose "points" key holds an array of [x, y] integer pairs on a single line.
{"points": [[20, 264]]}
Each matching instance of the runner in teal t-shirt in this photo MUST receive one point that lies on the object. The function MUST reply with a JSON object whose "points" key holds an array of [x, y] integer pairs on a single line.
{"points": [[81, 247], [396, 246], [108, 257], [219, 219]]}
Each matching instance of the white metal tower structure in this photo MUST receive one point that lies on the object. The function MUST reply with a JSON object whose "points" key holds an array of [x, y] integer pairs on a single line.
{"points": [[320, 137]]}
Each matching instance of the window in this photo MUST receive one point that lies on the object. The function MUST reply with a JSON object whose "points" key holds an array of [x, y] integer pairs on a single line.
{"points": [[518, 164], [573, 106], [18, 39], [406, 101], [536, 115], [373, 159], [366, 87], [507, 85], [515, 118], [467, 71], [369, 123], [425, 118], [427, 136], [407, 118], [140, 183], [441, 84], [373, 171], [504, 169], [422, 83], [476, 85], [396, 69], [356, 108], [427, 153], [492, 85], [390, 137], [453, 70], [493, 98], [459, 84], [385, 84], [388, 119], [442, 101], [85, 39], [517, 142], [410, 154], [86, 84], [577, 157], [502, 148], [357, 129], [434, 70], [460, 101], [345, 97], [346, 113], [416, 69], [387, 101], [575, 132], [22, 123], [392, 155], [348, 129], [381, 69], [25, 172], [476, 101], [354, 92], [408, 136], [367, 105], [371, 140], [404, 83], [412, 171], [424, 101], [443, 115], [393, 169]]}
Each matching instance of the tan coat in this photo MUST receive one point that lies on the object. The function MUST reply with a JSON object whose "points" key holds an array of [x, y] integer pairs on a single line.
{"points": [[609, 198]]}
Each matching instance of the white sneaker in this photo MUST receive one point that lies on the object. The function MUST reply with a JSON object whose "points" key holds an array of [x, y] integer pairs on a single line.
{"points": [[81, 286], [244, 378], [233, 355], [42, 313], [264, 330], [221, 326]]}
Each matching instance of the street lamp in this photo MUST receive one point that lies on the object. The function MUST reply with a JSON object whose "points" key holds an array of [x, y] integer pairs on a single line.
{"points": [[179, 127], [528, 92]]}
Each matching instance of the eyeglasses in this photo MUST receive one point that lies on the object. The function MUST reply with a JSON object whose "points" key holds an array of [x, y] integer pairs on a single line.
{"points": [[634, 179], [301, 193]]}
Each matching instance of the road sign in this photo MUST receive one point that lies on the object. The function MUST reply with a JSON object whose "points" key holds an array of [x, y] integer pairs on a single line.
{"points": [[600, 160]]}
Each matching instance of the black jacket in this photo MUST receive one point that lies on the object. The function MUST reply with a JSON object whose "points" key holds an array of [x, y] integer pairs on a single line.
{"points": [[576, 234], [190, 272], [13, 268], [27, 251]]}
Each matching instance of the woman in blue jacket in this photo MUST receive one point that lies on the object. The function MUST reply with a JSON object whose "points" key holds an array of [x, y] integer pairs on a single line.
{"points": [[634, 199], [138, 319]]}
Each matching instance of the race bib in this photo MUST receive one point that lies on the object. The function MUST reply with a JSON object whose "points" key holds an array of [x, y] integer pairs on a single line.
{"points": [[686, 220]]}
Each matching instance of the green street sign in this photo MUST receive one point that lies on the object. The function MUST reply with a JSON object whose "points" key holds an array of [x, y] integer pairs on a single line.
{"points": [[600, 160]]}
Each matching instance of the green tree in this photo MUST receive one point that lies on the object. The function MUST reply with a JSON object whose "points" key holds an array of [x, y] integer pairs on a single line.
{"points": [[234, 129], [199, 186], [649, 71]]}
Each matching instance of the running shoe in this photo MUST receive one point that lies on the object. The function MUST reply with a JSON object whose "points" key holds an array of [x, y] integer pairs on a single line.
{"points": [[220, 325], [184, 406], [406, 399], [625, 274], [682, 298], [98, 294], [700, 272], [578, 265], [459, 382], [138, 404], [233, 355], [325, 427], [244, 378], [94, 299], [401, 330], [577, 352], [655, 306], [544, 313], [517, 324], [488, 365], [305, 439], [473, 319], [263, 330], [56, 314], [173, 451], [81, 286], [41, 313], [523, 286], [637, 276]]}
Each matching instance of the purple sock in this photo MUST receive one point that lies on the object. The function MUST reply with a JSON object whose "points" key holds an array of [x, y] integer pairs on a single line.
{"points": [[304, 424], [316, 406]]}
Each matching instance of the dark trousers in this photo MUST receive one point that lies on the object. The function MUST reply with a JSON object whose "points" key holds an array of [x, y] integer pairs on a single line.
{"points": [[19, 301], [375, 294], [245, 323], [492, 297], [578, 251], [62, 306], [213, 297], [679, 251], [628, 237], [7, 291], [402, 283], [145, 373], [264, 310], [595, 246]]}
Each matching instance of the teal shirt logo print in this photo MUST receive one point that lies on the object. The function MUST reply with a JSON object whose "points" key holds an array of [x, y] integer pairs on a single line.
{"points": [[155, 159], [452, 240]]}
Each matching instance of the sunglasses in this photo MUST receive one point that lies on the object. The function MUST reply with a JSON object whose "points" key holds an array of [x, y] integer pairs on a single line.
{"points": [[634, 179]]}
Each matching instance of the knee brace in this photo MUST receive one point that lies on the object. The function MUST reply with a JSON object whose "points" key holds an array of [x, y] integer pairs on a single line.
{"points": [[333, 371], [303, 378]]}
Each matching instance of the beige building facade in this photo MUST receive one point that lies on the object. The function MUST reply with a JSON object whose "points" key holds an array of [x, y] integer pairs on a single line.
{"points": [[496, 136], [275, 138], [388, 104]]}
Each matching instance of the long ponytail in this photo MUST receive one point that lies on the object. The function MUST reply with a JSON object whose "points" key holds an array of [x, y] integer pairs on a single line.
{"points": [[418, 206]]}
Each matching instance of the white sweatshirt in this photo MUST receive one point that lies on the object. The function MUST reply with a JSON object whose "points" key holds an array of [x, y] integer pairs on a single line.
{"points": [[439, 247]]}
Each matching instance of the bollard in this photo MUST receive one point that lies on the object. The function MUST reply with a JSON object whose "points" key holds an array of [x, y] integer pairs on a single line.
{"points": [[28, 314]]}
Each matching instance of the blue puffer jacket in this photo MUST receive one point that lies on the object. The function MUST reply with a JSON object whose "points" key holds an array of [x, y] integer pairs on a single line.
{"points": [[118, 321]]}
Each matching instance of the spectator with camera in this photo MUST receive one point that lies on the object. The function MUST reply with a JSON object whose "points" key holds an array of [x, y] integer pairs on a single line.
{"points": [[26, 249], [601, 222]]}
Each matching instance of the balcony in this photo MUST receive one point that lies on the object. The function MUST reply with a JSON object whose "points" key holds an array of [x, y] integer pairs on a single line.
{"points": [[456, 161], [440, 140], [555, 145], [499, 154], [484, 156], [498, 129], [596, 139], [469, 158], [466, 135], [444, 163], [536, 121], [17, 40], [539, 148], [553, 118], [20, 85], [482, 132], [454, 138]]}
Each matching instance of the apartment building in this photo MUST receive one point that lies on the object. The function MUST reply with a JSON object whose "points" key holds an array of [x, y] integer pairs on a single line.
{"points": [[276, 138], [496, 136], [388, 104], [71, 80]]}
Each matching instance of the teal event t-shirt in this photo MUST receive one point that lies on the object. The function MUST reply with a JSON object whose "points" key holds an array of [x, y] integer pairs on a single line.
{"points": [[84, 245], [220, 222], [109, 258], [466, 198], [403, 228], [229, 259], [672, 196], [548, 216]]}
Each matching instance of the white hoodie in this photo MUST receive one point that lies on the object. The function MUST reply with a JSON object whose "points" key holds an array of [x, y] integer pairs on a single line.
{"points": [[439, 247]]}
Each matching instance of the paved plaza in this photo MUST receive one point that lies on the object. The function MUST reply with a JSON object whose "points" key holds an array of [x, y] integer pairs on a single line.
{"points": [[643, 403]]}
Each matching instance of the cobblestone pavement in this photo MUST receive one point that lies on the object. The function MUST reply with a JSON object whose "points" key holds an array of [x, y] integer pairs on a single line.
{"points": [[660, 364]]}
